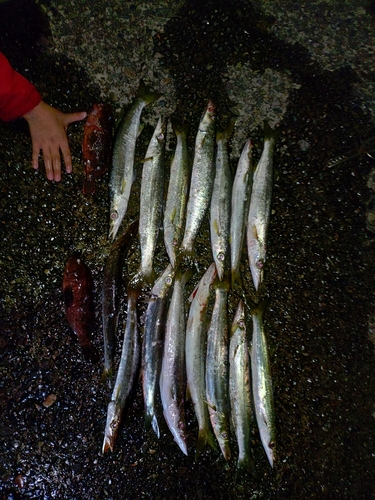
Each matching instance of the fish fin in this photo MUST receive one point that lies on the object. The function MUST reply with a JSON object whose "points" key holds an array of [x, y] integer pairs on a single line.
{"points": [[140, 128], [224, 135], [205, 437], [144, 93], [123, 185]]}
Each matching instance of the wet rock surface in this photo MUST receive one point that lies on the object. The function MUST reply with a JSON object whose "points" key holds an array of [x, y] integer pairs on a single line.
{"points": [[320, 269]]}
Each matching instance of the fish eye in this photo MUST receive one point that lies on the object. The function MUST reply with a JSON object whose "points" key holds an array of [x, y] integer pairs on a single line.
{"points": [[160, 137], [220, 256], [260, 263], [168, 280], [114, 215]]}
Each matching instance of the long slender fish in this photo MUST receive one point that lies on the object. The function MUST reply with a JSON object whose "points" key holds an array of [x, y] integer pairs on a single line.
{"points": [[122, 173], [202, 177], [127, 374], [112, 284], [178, 187], [151, 204], [240, 389], [195, 351], [262, 384], [260, 207], [217, 369], [241, 193], [152, 347], [173, 370], [221, 204], [78, 293]]}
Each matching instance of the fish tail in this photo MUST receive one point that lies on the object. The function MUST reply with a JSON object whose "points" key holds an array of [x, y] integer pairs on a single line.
{"points": [[145, 94], [106, 375], [245, 465], [236, 277], [205, 437], [90, 352], [89, 187], [152, 421], [258, 308], [271, 133], [180, 127], [224, 135]]}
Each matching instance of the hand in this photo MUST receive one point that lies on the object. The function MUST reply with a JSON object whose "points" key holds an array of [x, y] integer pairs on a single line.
{"points": [[48, 128]]}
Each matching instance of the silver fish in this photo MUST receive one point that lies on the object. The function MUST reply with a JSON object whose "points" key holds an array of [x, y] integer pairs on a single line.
{"points": [[152, 348], [217, 369], [260, 208], [202, 177], [173, 370], [122, 173], [127, 373], [240, 389], [112, 281], [241, 193], [220, 204], [175, 206], [151, 199], [195, 350], [262, 384]]}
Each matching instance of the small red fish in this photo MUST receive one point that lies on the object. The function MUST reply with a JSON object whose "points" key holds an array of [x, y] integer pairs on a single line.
{"points": [[78, 289], [97, 145]]}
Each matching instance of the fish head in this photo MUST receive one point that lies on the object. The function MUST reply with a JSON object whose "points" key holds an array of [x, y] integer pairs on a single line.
{"points": [[115, 220], [209, 113]]}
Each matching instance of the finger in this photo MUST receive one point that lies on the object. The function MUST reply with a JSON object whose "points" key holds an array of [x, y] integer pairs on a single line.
{"points": [[67, 160], [35, 158], [48, 165], [56, 165], [74, 117]]}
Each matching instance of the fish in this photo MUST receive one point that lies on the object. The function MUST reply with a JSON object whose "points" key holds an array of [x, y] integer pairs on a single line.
{"points": [[97, 145], [241, 193], [153, 341], [111, 290], [221, 203], [240, 389], [122, 172], [262, 383], [127, 374], [151, 200], [202, 176], [195, 352], [178, 188], [78, 295], [173, 369], [217, 369], [260, 208]]}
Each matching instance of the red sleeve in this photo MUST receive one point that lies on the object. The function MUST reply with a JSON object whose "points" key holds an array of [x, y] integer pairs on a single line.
{"points": [[17, 95]]}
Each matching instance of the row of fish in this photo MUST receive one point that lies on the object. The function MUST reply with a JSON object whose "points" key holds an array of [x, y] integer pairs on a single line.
{"points": [[179, 348]]}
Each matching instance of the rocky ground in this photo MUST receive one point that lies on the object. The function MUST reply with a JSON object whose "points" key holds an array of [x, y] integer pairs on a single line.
{"points": [[306, 66]]}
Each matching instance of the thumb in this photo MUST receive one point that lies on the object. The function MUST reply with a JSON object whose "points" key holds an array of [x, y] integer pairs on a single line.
{"points": [[74, 117]]}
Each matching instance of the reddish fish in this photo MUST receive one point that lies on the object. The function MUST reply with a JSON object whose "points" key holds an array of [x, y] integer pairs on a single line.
{"points": [[97, 145], [78, 289]]}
